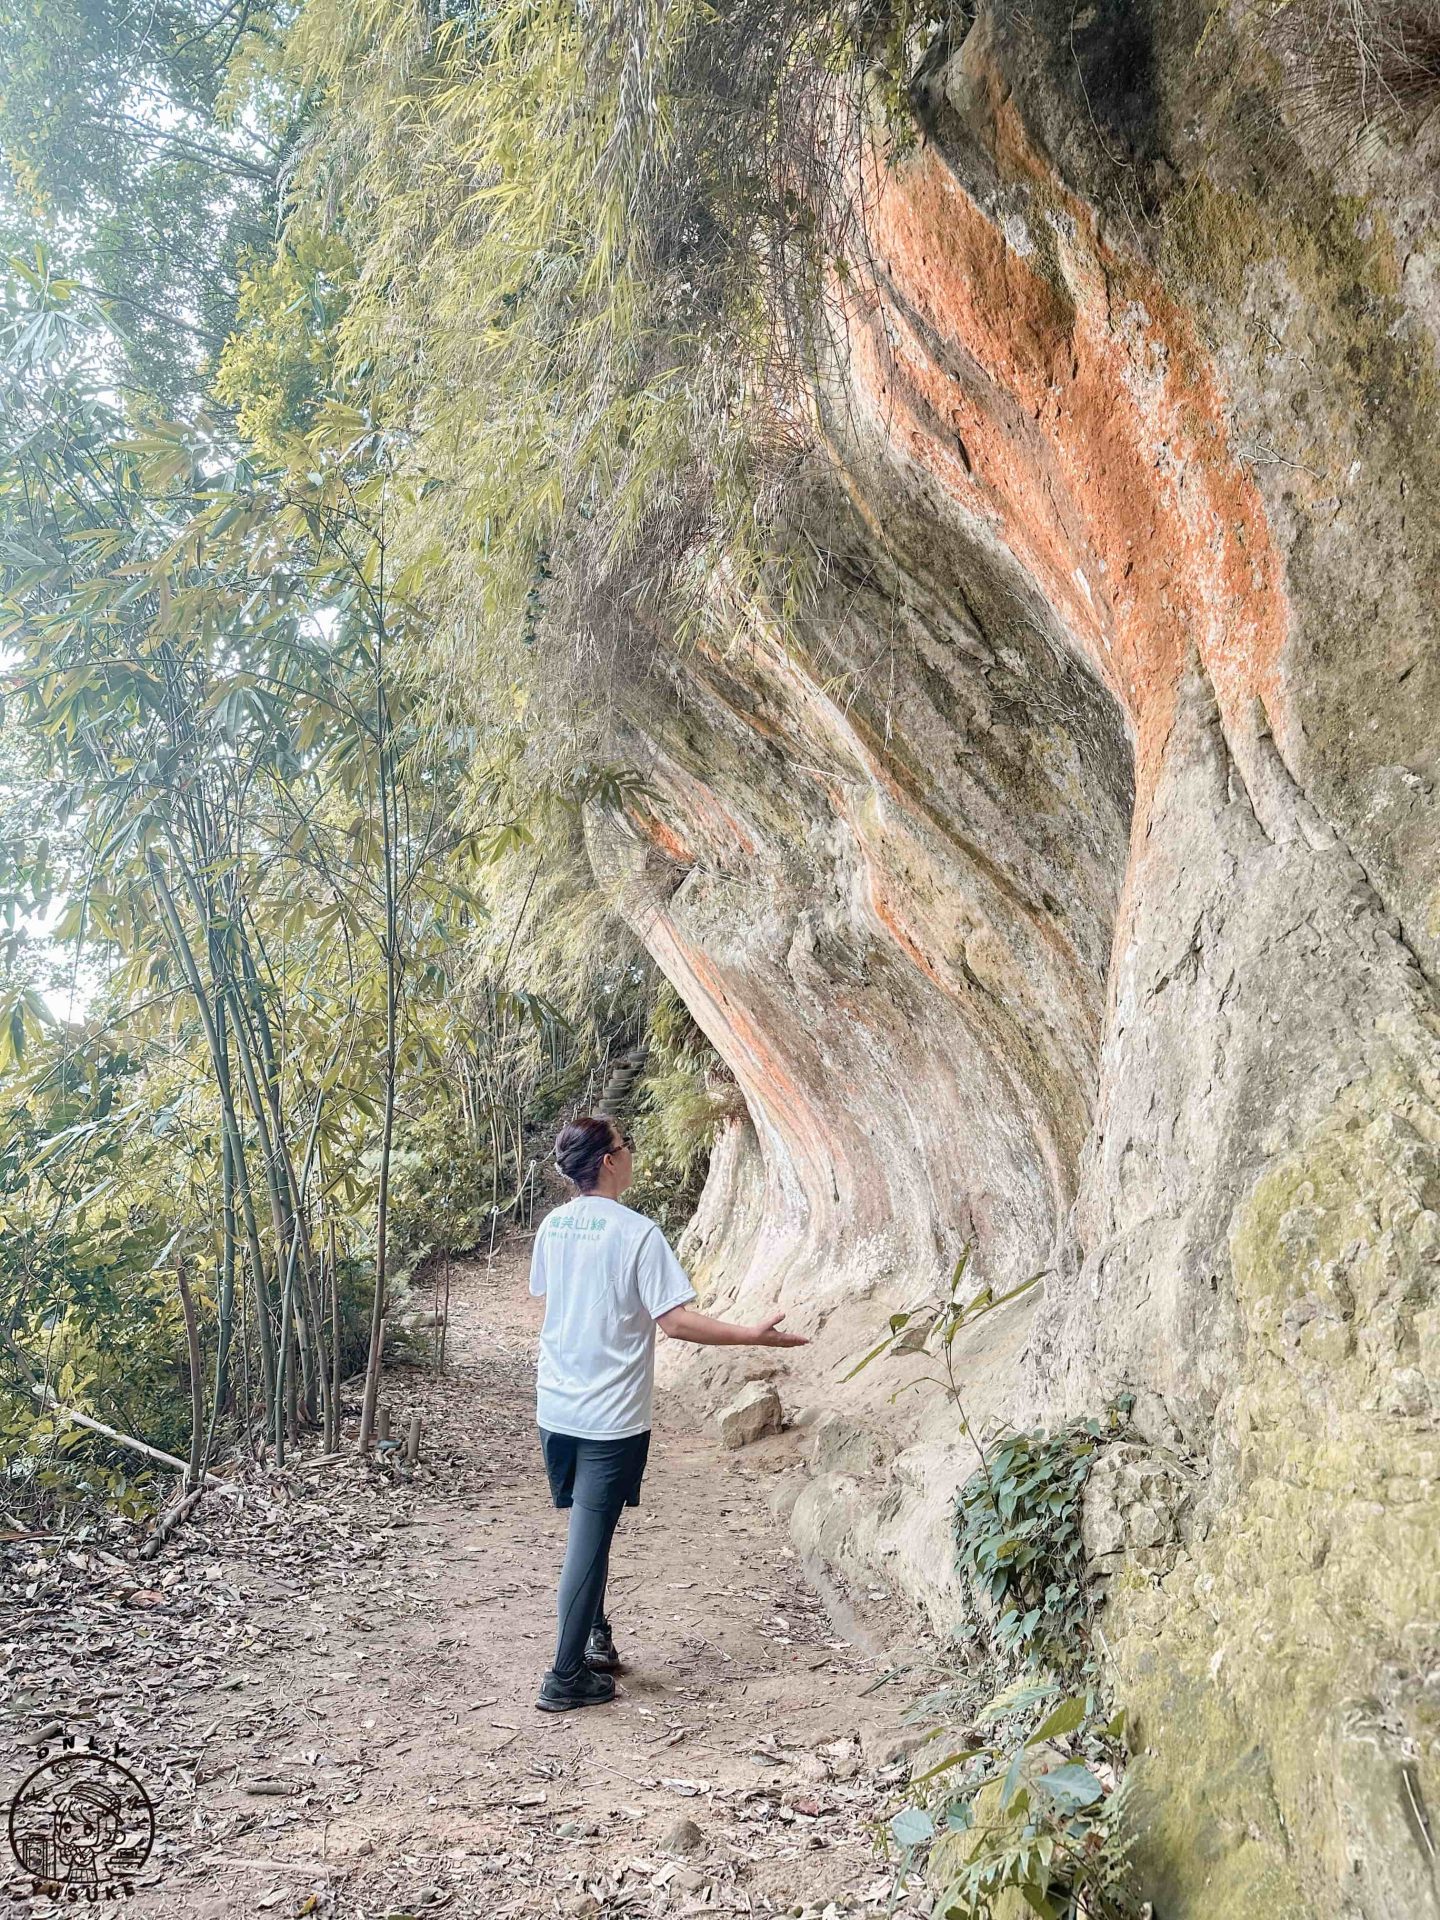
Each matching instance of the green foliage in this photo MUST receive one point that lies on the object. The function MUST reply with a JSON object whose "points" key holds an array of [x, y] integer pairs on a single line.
{"points": [[1026, 1810], [1030, 1803], [1030, 1807], [278, 368], [682, 1098], [599, 255], [931, 1326], [1057, 1837], [441, 1186], [120, 142], [216, 664], [1039, 1798], [52, 1470], [84, 1183], [1018, 1538]]}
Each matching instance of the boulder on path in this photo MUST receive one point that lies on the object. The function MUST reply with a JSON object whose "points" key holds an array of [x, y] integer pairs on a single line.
{"points": [[683, 1837], [753, 1411]]}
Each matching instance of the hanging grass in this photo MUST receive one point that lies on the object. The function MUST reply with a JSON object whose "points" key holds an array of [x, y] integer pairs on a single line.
{"points": [[596, 252]]}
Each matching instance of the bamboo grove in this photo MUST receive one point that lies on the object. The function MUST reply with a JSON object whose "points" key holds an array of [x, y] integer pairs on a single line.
{"points": [[379, 386], [213, 676]]}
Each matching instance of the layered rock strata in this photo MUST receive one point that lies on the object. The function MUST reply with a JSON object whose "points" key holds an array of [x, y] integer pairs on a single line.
{"points": [[1065, 881]]}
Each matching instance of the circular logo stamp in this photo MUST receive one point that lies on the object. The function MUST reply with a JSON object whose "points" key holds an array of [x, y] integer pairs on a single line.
{"points": [[81, 1824]]}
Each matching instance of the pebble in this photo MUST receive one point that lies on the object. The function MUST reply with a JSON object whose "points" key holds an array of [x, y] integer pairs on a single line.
{"points": [[684, 1837]]}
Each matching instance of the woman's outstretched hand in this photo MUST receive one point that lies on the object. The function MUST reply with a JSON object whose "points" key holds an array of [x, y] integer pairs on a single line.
{"points": [[768, 1333]]}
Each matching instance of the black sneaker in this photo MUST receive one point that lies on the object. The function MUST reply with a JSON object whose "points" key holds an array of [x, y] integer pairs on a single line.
{"points": [[600, 1654], [586, 1689]]}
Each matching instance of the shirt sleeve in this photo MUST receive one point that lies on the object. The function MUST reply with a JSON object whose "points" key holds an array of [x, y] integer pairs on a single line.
{"points": [[660, 1279], [537, 1266]]}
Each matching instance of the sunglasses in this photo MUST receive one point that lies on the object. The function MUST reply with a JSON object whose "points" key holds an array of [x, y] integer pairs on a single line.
{"points": [[626, 1141]]}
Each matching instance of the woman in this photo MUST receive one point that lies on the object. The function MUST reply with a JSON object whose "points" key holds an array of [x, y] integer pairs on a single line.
{"points": [[609, 1279]]}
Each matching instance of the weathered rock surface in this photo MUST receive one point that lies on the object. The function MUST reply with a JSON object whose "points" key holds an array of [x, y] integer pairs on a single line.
{"points": [[754, 1411], [842, 1445], [1070, 885], [1133, 1505]]}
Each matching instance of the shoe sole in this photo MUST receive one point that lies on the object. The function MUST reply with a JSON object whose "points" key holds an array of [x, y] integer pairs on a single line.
{"points": [[569, 1706], [603, 1666]]}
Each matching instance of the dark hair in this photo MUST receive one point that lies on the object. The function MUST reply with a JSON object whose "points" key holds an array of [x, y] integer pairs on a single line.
{"points": [[581, 1145]]}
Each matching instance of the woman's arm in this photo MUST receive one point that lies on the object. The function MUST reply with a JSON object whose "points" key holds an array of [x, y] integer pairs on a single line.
{"points": [[684, 1323]]}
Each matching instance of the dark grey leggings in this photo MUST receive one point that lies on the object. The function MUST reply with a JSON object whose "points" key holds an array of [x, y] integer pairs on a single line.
{"points": [[597, 1479], [582, 1583]]}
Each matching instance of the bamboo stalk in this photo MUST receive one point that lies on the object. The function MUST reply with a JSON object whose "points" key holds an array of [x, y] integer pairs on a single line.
{"points": [[175, 929], [332, 1437], [445, 1323], [169, 1520], [391, 955], [288, 1313], [223, 1385], [197, 1391], [53, 1405]]}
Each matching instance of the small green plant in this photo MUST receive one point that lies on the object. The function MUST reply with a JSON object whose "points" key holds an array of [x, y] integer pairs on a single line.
{"points": [[931, 1326], [1033, 1821], [1031, 1805], [1028, 1812]]}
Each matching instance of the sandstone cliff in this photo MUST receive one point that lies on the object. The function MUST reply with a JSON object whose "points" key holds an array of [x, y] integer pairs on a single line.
{"points": [[1069, 883]]}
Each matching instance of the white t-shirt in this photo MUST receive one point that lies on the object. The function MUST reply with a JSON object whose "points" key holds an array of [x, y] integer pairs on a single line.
{"points": [[607, 1274]]}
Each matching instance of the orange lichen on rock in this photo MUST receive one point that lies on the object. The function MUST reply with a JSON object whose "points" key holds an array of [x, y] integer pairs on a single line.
{"points": [[1057, 394], [663, 836], [890, 917]]}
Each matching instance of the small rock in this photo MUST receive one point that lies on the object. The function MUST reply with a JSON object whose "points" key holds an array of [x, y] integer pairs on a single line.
{"points": [[1133, 1501], [844, 1757], [690, 1880], [884, 1746], [581, 1906], [683, 1837], [753, 1411]]}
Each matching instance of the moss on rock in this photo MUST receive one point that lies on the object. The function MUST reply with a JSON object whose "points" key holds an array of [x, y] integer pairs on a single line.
{"points": [[1277, 1678]]}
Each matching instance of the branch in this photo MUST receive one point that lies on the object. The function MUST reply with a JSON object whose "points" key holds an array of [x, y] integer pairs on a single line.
{"points": [[52, 1405]]}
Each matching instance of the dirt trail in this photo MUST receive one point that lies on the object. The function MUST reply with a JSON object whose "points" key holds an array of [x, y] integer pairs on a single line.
{"points": [[328, 1687]]}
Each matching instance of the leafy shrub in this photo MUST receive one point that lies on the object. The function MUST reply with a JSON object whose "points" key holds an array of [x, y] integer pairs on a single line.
{"points": [[1017, 1537], [681, 1101], [1030, 1807], [441, 1187], [1037, 1816]]}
